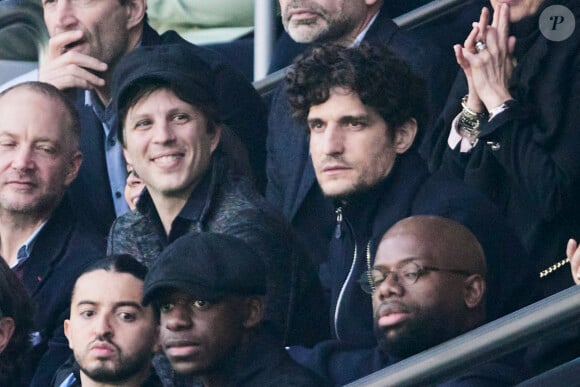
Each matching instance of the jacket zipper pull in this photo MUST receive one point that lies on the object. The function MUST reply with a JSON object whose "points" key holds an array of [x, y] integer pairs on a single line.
{"points": [[338, 228]]}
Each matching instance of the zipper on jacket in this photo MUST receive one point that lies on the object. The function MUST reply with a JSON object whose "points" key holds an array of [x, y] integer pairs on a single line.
{"points": [[348, 278], [338, 228], [342, 290]]}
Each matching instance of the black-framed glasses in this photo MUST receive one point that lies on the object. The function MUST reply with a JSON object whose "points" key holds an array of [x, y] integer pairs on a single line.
{"points": [[409, 274]]}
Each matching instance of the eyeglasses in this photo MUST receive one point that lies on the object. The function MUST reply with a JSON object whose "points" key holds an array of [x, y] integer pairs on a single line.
{"points": [[409, 274]]}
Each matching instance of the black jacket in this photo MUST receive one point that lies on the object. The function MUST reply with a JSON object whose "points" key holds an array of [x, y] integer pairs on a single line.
{"points": [[343, 363], [230, 205], [61, 251], [532, 173], [264, 363], [411, 190]]}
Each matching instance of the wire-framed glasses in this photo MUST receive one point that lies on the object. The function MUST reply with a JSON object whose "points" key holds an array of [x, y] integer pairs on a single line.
{"points": [[409, 274]]}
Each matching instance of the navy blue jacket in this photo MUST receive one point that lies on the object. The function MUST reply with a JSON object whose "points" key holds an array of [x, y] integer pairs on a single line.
{"points": [[263, 362], [241, 109], [411, 190], [343, 363], [292, 183], [61, 251]]}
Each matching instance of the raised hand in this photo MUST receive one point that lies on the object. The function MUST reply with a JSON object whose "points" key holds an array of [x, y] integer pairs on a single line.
{"points": [[491, 66], [476, 34], [66, 67]]}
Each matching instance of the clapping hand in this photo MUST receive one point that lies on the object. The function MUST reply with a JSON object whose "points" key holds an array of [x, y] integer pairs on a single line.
{"points": [[486, 58]]}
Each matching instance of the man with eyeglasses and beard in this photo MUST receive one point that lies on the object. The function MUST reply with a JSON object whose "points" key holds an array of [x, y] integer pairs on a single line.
{"points": [[428, 285]]}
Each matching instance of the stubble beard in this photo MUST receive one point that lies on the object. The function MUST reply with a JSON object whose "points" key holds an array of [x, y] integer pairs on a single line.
{"points": [[40, 208], [416, 336], [322, 29], [125, 368]]}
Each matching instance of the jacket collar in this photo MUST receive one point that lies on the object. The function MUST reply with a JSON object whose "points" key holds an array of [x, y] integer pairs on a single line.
{"points": [[382, 30], [150, 37], [372, 212], [198, 204], [252, 358], [48, 246]]}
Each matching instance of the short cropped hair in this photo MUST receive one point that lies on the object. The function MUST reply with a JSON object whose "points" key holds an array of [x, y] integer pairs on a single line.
{"points": [[119, 263], [14, 303], [146, 87], [73, 128], [380, 79]]}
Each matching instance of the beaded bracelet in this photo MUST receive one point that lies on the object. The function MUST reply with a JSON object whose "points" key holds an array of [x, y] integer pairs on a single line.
{"points": [[554, 267]]}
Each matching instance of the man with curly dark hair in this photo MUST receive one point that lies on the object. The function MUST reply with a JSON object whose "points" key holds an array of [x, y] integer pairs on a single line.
{"points": [[396, 99], [364, 109], [291, 182]]}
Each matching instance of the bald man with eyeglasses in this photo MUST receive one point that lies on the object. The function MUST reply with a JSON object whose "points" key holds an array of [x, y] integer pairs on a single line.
{"points": [[428, 285]]}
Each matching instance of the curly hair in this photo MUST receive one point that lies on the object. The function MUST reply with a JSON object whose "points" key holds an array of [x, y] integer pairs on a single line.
{"points": [[381, 80], [14, 303]]}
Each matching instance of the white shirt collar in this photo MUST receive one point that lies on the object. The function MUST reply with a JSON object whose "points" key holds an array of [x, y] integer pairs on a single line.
{"points": [[358, 40]]}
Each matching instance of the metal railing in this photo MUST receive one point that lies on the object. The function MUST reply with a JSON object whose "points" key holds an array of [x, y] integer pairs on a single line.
{"points": [[429, 12], [264, 36], [408, 21], [490, 341]]}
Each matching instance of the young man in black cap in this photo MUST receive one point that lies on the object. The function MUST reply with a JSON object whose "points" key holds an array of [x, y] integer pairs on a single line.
{"points": [[209, 290], [87, 41], [171, 135]]}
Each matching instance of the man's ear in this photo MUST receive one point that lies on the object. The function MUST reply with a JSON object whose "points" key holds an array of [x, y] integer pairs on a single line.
{"points": [[75, 163], [135, 12], [6, 331], [67, 332], [127, 157], [405, 136], [254, 312], [216, 136], [473, 290]]}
